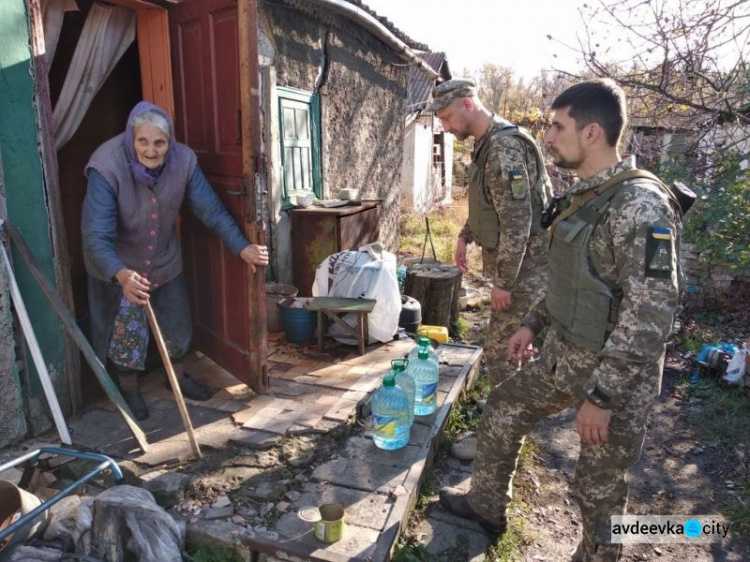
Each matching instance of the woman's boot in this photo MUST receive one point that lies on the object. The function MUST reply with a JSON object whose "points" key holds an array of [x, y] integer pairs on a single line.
{"points": [[128, 380]]}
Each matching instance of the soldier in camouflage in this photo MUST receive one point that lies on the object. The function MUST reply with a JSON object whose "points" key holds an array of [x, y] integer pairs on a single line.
{"points": [[508, 189], [609, 305]]}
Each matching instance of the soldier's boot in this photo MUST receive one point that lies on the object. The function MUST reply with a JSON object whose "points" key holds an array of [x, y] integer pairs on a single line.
{"points": [[128, 381], [189, 387], [465, 449], [456, 502]]}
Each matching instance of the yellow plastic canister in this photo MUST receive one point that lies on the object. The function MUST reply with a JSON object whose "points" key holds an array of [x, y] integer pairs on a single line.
{"points": [[437, 333]]}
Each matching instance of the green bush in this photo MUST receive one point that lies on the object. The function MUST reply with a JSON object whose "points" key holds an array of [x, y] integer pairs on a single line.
{"points": [[718, 223]]}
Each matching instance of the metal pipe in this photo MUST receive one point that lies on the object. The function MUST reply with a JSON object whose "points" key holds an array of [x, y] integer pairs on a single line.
{"points": [[104, 462], [367, 21]]}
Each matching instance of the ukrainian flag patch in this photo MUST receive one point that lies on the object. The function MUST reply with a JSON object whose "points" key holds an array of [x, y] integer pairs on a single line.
{"points": [[661, 233]]}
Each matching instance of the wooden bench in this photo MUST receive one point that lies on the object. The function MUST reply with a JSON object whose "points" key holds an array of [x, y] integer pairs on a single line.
{"points": [[332, 307]]}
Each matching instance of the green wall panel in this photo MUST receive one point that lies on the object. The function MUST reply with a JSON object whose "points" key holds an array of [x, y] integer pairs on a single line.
{"points": [[24, 180]]}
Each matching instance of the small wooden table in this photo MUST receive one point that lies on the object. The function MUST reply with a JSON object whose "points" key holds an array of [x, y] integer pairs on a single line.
{"points": [[333, 306]]}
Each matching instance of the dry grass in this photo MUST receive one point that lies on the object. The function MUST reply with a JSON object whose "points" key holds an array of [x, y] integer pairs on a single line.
{"points": [[445, 224]]}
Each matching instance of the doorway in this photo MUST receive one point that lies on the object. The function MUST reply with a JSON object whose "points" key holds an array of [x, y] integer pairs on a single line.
{"points": [[104, 119]]}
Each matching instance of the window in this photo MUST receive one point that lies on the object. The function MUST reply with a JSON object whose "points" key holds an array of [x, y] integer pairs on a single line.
{"points": [[299, 132]]}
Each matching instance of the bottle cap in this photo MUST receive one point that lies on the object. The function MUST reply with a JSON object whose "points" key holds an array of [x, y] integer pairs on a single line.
{"points": [[389, 380], [399, 365]]}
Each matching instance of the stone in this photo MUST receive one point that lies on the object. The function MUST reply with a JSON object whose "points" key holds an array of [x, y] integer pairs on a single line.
{"points": [[464, 544], [259, 440], [358, 474], [167, 487], [214, 533], [365, 449], [267, 489], [282, 506], [218, 512]]}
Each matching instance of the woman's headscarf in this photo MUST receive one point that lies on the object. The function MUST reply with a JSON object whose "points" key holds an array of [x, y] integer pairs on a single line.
{"points": [[140, 172]]}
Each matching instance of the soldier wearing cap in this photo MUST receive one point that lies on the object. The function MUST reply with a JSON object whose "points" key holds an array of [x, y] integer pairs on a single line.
{"points": [[608, 310], [508, 190]]}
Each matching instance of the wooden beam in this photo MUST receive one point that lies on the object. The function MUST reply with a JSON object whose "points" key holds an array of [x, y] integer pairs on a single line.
{"points": [[154, 56], [75, 332], [247, 20], [145, 4]]}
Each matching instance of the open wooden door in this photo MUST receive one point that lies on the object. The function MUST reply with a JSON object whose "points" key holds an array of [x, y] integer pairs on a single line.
{"points": [[205, 56]]}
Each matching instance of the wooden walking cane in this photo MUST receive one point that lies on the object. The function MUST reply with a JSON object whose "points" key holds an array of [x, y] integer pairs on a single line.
{"points": [[75, 332], [173, 379]]}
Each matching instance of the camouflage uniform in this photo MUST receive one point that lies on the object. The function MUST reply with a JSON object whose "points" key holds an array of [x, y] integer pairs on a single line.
{"points": [[518, 263], [626, 373]]}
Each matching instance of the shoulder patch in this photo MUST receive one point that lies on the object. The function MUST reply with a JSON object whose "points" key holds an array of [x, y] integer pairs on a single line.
{"points": [[659, 252], [519, 183]]}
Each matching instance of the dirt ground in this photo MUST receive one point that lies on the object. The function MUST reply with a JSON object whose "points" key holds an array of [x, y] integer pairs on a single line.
{"points": [[677, 473]]}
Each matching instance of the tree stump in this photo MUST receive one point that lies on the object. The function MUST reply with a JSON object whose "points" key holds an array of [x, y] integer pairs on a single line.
{"points": [[436, 286], [127, 524]]}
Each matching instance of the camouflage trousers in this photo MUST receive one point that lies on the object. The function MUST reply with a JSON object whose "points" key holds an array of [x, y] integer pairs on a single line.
{"points": [[551, 384], [503, 324]]}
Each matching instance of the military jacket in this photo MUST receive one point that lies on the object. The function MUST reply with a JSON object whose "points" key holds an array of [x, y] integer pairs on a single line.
{"points": [[621, 255], [504, 170]]}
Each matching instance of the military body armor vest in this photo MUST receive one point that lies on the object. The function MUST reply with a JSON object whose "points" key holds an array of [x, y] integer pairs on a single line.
{"points": [[583, 309], [483, 219]]}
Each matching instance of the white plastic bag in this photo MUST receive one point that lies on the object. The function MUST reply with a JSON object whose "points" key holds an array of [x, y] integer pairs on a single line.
{"points": [[736, 367], [369, 273]]}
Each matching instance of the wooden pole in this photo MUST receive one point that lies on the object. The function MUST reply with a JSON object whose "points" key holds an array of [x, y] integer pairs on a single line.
{"points": [[74, 331], [36, 352], [173, 380], [253, 181]]}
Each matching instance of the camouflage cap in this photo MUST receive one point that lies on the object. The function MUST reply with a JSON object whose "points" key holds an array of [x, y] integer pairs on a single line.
{"points": [[445, 93]]}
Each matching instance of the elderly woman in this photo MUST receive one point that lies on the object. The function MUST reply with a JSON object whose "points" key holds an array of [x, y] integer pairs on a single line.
{"points": [[137, 182]]}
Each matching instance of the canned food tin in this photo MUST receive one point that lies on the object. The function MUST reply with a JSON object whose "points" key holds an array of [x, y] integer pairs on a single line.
{"points": [[330, 527]]}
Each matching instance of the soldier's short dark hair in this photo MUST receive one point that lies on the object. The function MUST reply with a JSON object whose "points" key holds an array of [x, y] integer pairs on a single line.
{"points": [[596, 101]]}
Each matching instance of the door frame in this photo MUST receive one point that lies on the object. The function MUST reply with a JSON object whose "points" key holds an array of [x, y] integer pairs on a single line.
{"points": [[154, 52]]}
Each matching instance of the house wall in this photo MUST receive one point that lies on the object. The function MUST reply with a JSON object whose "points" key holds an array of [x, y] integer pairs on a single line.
{"points": [[363, 94], [417, 176], [12, 420], [26, 197], [448, 151]]}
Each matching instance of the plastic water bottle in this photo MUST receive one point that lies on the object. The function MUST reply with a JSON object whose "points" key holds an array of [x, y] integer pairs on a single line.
{"points": [[426, 374], [405, 382], [425, 342], [390, 415]]}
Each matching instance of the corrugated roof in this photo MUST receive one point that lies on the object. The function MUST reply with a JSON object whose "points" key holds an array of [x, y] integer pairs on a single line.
{"points": [[420, 84]]}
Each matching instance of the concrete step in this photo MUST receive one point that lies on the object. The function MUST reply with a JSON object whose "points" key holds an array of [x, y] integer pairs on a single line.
{"points": [[378, 489]]}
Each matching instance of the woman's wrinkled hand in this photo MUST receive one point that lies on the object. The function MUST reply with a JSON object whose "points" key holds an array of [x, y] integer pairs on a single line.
{"points": [[134, 286], [255, 255]]}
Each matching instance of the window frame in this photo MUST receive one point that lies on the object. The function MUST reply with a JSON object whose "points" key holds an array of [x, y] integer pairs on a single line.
{"points": [[312, 100]]}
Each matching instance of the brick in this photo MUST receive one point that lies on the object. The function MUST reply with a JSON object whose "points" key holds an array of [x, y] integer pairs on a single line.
{"points": [[342, 410], [273, 420]]}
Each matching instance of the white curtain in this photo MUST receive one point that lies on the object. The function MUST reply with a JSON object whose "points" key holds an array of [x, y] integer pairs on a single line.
{"points": [[106, 35], [53, 12]]}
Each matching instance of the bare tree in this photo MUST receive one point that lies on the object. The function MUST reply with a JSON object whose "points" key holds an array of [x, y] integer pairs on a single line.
{"points": [[684, 62]]}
